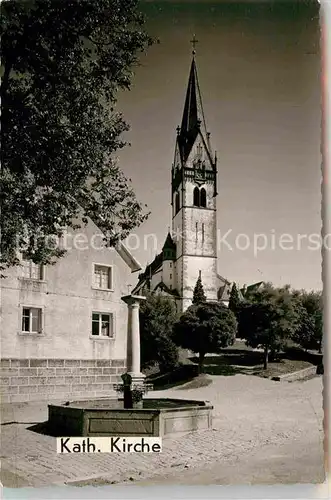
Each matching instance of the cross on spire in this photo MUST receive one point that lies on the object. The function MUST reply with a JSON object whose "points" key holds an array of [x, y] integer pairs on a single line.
{"points": [[194, 41]]}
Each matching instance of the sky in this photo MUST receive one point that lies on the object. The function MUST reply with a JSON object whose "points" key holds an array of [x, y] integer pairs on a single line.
{"points": [[259, 75]]}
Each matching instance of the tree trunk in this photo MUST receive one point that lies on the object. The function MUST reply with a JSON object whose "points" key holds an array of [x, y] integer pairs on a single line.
{"points": [[201, 360], [266, 352]]}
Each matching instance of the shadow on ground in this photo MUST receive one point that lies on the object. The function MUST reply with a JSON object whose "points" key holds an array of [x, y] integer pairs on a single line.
{"points": [[231, 362], [237, 359], [43, 428], [176, 378], [228, 363]]}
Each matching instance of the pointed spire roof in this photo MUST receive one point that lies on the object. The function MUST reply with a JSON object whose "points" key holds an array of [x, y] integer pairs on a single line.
{"points": [[193, 119], [169, 243], [193, 110]]}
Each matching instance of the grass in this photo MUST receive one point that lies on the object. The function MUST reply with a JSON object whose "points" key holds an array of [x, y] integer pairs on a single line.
{"points": [[236, 359]]}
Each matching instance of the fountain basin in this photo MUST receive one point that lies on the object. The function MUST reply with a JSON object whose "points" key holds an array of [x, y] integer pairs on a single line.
{"points": [[107, 417]]}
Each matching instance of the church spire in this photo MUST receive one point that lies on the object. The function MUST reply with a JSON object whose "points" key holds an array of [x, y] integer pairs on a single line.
{"points": [[193, 120]]}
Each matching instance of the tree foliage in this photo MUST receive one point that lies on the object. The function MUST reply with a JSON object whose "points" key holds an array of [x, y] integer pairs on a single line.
{"points": [[269, 319], [157, 317], [309, 333], [234, 301], [63, 63], [199, 296], [205, 328]]}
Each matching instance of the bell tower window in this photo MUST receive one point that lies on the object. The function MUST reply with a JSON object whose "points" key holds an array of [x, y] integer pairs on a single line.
{"points": [[196, 197], [203, 198]]}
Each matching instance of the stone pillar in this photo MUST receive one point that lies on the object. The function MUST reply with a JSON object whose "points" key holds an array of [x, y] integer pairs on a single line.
{"points": [[133, 338]]}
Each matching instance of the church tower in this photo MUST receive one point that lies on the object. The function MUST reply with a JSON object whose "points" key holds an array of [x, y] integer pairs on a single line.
{"points": [[194, 192], [190, 248]]}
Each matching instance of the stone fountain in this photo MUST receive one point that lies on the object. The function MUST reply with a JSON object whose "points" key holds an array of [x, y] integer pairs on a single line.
{"points": [[134, 414]]}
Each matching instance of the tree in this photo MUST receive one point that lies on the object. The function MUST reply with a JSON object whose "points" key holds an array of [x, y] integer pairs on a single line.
{"points": [[199, 296], [205, 328], [157, 316], [310, 329], [269, 319], [62, 65], [242, 317], [234, 301]]}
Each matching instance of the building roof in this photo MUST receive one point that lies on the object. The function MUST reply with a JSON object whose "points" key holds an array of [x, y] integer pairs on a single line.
{"points": [[156, 264], [240, 294], [223, 292], [120, 248], [150, 269], [169, 243], [193, 119], [252, 287], [223, 280], [127, 256], [163, 287]]}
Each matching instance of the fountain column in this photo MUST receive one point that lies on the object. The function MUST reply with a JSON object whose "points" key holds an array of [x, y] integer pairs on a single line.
{"points": [[133, 378]]}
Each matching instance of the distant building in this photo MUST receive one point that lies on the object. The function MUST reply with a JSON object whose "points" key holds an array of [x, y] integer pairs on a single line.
{"points": [[250, 288], [190, 248], [64, 326]]}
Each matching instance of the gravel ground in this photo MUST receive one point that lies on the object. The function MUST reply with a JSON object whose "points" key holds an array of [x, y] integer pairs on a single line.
{"points": [[286, 463], [251, 417]]}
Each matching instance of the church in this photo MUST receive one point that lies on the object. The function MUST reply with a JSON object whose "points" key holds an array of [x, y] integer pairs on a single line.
{"points": [[190, 248]]}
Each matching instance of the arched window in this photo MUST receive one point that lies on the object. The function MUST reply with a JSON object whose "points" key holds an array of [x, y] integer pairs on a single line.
{"points": [[203, 197], [196, 197], [177, 203]]}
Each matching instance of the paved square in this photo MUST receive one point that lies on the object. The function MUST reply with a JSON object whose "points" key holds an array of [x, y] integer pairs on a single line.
{"points": [[256, 421]]}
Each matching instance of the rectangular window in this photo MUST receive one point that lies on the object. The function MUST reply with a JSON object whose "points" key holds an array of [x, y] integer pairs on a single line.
{"points": [[170, 276], [31, 320], [102, 325], [170, 265], [31, 270], [102, 277]]}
